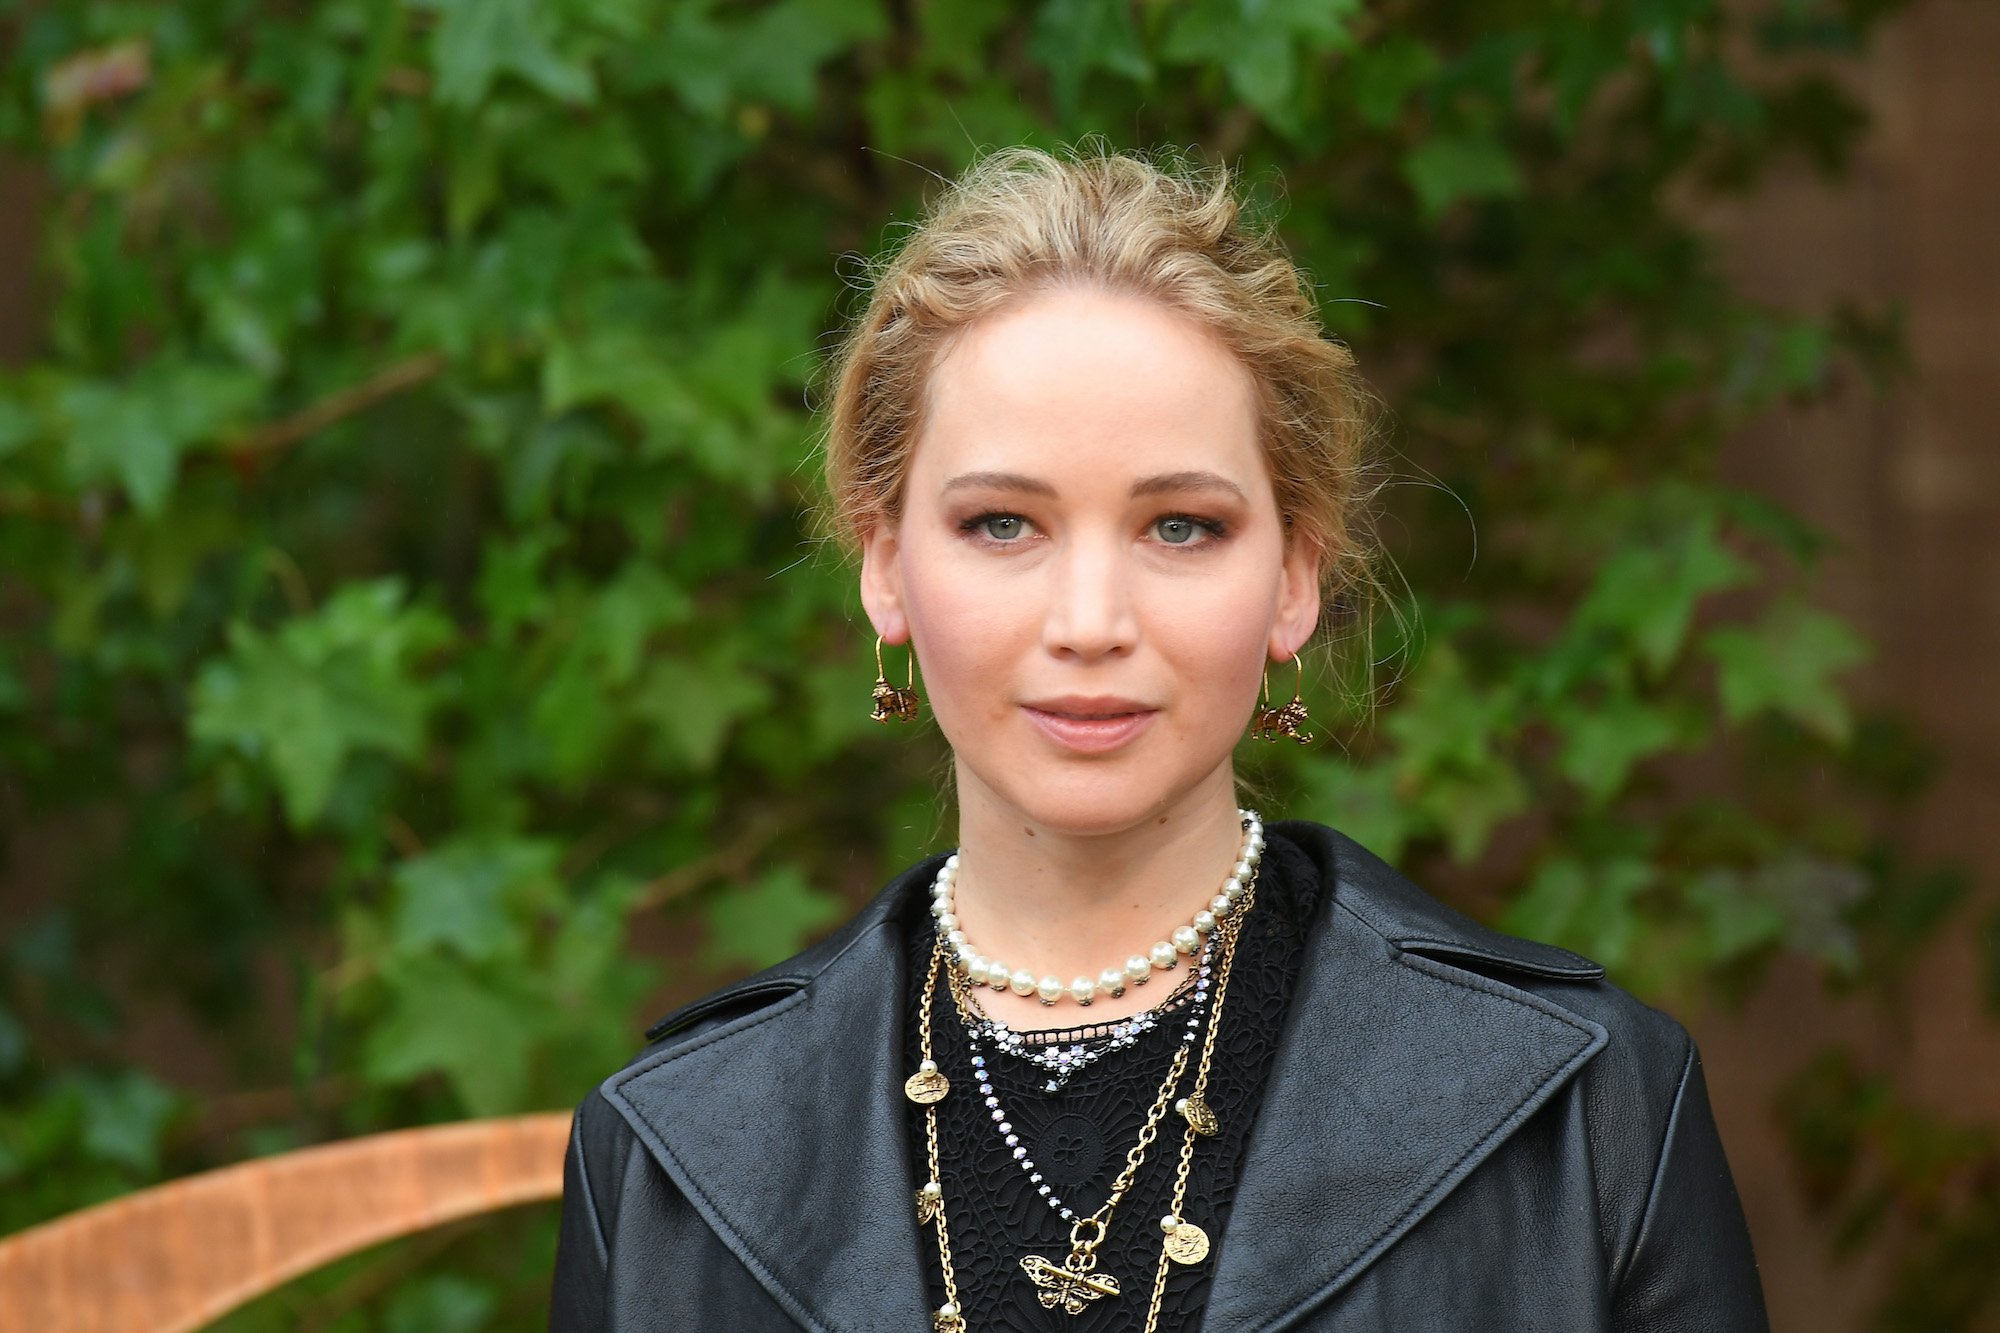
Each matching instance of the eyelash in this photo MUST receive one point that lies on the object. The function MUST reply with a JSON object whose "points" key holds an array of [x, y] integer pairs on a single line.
{"points": [[1216, 528]]}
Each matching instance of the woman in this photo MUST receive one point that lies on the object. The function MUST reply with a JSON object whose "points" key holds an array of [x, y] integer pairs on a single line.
{"points": [[1128, 1058]]}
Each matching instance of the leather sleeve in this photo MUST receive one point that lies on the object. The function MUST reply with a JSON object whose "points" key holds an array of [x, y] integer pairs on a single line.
{"points": [[577, 1296], [1691, 1269]]}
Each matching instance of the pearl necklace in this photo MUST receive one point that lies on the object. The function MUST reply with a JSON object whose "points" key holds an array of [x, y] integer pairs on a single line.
{"points": [[1112, 981]]}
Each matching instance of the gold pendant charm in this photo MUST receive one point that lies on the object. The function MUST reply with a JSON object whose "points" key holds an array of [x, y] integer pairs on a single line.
{"points": [[1282, 723], [926, 1085], [930, 1204], [1072, 1285], [894, 703], [947, 1319], [1187, 1244], [1199, 1117]]}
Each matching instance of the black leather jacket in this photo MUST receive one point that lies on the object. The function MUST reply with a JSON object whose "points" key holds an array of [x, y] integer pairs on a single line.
{"points": [[1463, 1131]]}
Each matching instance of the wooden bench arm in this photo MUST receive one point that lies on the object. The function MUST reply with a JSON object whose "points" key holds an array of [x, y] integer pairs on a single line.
{"points": [[183, 1254]]}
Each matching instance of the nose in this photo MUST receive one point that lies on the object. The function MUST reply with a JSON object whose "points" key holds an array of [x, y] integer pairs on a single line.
{"points": [[1090, 613]]}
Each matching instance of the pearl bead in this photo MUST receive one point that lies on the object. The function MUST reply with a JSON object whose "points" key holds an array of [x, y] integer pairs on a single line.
{"points": [[948, 1310], [927, 1067], [1169, 1222], [932, 1189], [1138, 969]]}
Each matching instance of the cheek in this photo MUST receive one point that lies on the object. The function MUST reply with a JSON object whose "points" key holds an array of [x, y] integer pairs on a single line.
{"points": [[1216, 639], [966, 630]]}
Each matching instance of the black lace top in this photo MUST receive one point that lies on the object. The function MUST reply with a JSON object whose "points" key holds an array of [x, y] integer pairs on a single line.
{"points": [[1078, 1137]]}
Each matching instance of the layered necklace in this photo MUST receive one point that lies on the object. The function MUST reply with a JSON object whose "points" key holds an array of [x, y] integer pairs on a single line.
{"points": [[1135, 971], [1069, 1052], [1075, 1282]]}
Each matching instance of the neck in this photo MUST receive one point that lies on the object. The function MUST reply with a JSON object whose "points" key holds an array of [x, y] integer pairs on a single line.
{"points": [[1063, 904]]}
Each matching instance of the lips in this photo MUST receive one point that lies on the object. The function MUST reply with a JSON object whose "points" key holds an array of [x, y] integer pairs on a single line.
{"points": [[1093, 724]]}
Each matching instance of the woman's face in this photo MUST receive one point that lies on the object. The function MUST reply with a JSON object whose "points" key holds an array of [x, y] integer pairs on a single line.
{"points": [[1090, 562]]}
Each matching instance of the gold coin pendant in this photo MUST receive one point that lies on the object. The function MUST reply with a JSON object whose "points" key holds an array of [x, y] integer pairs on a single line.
{"points": [[1187, 1244], [926, 1086], [1199, 1117]]}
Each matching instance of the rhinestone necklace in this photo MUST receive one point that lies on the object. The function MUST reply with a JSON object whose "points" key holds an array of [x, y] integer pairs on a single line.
{"points": [[1062, 1060]]}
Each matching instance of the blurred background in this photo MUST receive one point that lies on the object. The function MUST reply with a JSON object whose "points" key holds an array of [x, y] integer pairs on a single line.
{"points": [[419, 667]]}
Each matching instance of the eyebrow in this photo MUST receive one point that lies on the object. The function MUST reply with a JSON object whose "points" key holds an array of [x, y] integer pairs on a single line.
{"points": [[1164, 483]]}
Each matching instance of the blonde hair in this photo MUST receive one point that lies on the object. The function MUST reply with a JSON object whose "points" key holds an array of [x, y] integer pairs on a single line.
{"points": [[1021, 221]]}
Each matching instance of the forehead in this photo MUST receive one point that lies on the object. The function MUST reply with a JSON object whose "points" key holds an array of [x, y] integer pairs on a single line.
{"points": [[1088, 385]]}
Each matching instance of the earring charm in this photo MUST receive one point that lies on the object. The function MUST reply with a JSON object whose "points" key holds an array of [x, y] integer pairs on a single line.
{"points": [[899, 703], [1274, 724]]}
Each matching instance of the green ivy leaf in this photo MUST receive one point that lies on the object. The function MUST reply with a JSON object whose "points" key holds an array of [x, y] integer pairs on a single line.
{"points": [[692, 705], [1591, 907], [477, 41], [320, 689], [1073, 37], [444, 1303], [474, 894], [1603, 742], [763, 923], [1381, 76], [133, 433], [1646, 595], [1735, 918], [124, 1115], [1257, 43], [1362, 801], [480, 1032], [1446, 169], [1786, 664]]}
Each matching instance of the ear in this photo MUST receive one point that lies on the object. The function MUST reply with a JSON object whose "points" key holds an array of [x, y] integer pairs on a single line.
{"points": [[882, 580], [1298, 599]]}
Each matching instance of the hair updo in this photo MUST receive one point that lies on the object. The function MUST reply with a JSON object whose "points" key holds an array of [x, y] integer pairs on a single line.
{"points": [[1021, 221]]}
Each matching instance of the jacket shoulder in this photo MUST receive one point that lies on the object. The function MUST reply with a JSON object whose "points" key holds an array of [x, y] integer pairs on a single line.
{"points": [[1646, 1050]]}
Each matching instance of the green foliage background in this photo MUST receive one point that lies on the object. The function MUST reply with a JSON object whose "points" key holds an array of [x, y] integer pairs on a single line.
{"points": [[411, 606]]}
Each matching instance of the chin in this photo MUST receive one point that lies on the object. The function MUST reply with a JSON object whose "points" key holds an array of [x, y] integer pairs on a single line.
{"points": [[1094, 800]]}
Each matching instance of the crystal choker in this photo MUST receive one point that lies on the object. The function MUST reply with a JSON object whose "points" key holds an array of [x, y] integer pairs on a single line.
{"points": [[1112, 981]]}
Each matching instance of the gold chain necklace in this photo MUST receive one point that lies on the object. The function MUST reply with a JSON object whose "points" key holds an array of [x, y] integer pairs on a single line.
{"points": [[1075, 1283]]}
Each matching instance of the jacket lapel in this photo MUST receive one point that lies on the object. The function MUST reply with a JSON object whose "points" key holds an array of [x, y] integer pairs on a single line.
{"points": [[784, 1128], [1397, 1075]]}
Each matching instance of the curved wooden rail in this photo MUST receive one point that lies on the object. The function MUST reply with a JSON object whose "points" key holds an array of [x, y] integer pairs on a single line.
{"points": [[180, 1255]]}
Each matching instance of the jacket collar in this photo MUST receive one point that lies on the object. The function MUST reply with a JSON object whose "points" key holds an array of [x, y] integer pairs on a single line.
{"points": [[1400, 1070]]}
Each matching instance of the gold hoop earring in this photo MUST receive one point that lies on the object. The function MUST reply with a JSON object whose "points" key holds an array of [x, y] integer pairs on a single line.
{"points": [[897, 703], [1275, 724]]}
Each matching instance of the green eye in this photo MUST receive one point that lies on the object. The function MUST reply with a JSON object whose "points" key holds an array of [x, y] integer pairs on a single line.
{"points": [[1001, 527], [1175, 531]]}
